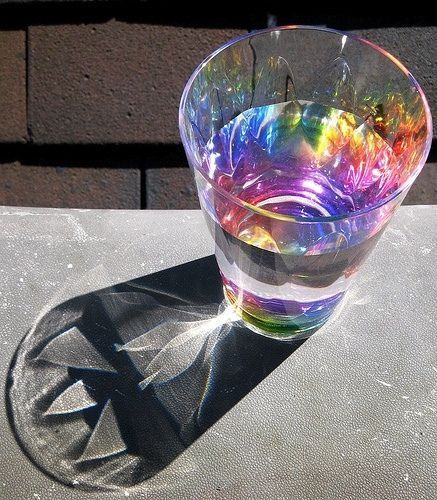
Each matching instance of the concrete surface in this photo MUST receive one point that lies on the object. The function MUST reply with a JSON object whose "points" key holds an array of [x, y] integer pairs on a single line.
{"points": [[350, 414]]}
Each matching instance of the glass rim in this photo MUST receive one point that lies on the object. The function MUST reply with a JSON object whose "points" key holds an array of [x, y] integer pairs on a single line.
{"points": [[296, 218]]}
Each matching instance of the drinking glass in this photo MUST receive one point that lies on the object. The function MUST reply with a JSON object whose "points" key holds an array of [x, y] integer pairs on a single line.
{"points": [[303, 142]]}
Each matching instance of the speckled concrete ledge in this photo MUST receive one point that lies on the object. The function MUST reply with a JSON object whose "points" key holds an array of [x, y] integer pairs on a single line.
{"points": [[350, 414]]}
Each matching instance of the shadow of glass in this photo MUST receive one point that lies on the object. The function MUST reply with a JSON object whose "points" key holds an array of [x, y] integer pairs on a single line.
{"points": [[110, 387]]}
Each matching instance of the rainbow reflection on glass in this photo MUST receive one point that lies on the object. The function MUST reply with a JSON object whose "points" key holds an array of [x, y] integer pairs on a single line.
{"points": [[304, 142]]}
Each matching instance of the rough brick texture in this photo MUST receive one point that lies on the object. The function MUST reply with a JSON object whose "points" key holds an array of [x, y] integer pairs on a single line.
{"points": [[416, 48], [424, 189], [13, 126], [69, 187], [113, 82], [120, 83], [171, 188]]}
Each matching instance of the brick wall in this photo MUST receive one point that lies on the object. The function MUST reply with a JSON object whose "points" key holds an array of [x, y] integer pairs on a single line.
{"points": [[89, 94]]}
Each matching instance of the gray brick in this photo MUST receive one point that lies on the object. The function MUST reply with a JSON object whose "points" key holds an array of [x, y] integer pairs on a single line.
{"points": [[112, 82], [171, 188], [69, 187], [13, 126]]}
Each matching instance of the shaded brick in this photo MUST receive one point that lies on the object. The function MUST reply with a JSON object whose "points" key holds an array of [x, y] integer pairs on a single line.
{"points": [[424, 189], [69, 187], [13, 126], [121, 83], [174, 188], [171, 188], [113, 82], [416, 48]]}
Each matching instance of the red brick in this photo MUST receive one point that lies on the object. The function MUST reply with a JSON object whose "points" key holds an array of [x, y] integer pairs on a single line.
{"points": [[171, 188], [13, 126], [113, 82], [69, 187]]}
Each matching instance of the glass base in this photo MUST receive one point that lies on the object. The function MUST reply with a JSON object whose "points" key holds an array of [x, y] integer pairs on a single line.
{"points": [[285, 331]]}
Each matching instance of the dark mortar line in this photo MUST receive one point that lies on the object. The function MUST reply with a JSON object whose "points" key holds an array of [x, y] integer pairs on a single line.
{"points": [[13, 16], [19, 15], [144, 156], [432, 157], [91, 155]]}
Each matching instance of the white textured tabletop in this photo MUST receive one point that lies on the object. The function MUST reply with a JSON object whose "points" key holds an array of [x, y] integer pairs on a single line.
{"points": [[351, 413]]}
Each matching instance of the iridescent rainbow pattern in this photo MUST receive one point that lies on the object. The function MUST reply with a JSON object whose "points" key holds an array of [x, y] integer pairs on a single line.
{"points": [[297, 191], [309, 161]]}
